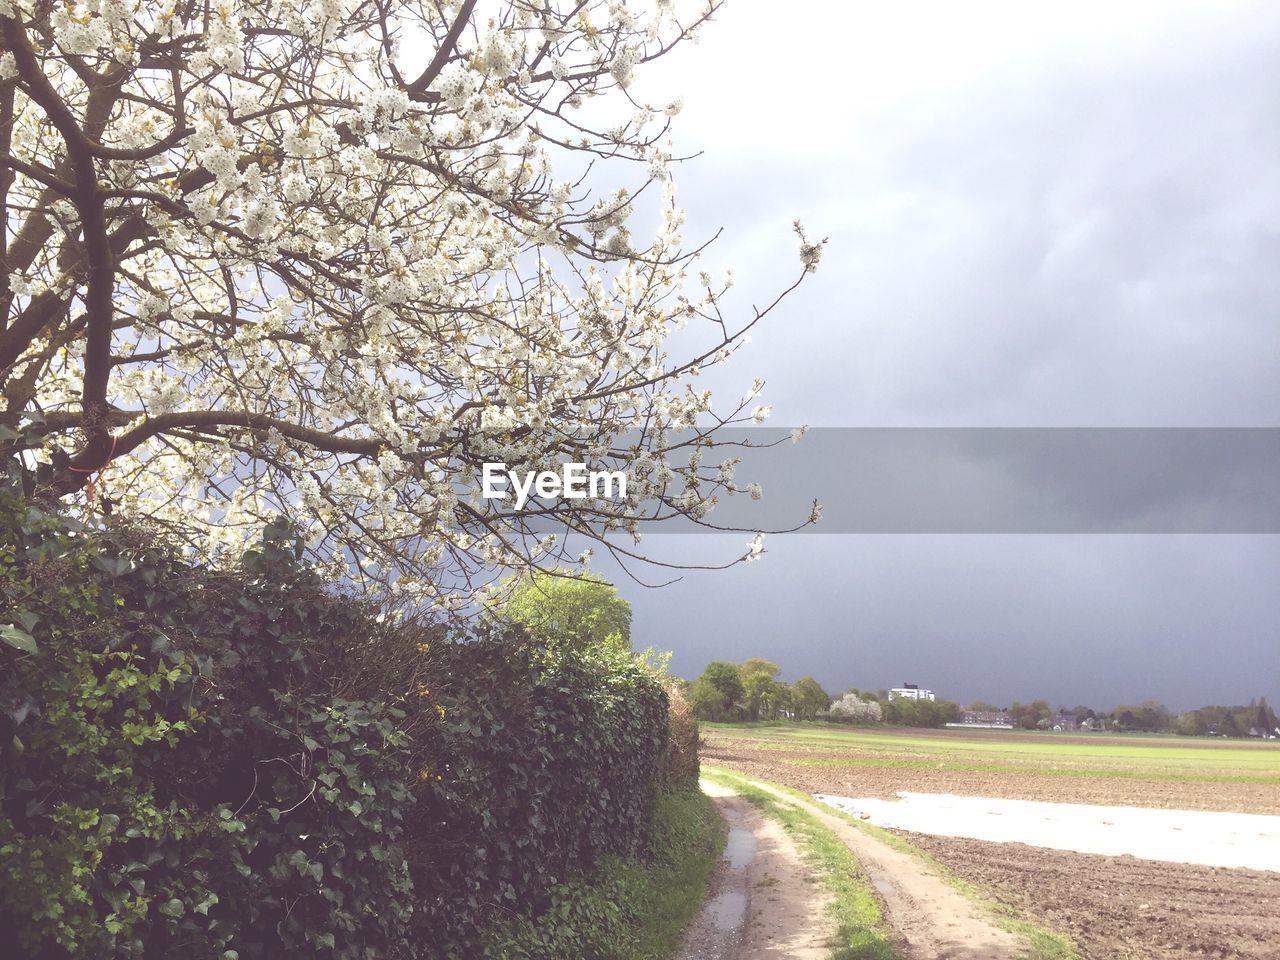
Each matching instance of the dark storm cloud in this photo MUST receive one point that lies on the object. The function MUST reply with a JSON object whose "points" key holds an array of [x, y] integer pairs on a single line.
{"points": [[1039, 217], [1099, 620], [1004, 480], [1089, 238]]}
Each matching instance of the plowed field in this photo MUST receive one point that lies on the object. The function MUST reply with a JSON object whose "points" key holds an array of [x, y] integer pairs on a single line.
{"points": [[1116, 908]]}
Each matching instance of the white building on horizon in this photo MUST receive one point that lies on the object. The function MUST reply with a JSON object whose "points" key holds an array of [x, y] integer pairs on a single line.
{"points": [[910, 691]]}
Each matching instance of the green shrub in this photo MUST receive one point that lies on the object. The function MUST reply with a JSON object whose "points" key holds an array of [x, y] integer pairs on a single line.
{"points": [[543, 767], [679, 764], [247, 764], [177, 775], [626, 909]]}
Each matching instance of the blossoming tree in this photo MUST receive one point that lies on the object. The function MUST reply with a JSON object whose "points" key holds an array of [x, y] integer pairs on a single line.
{"points": [[329, 256]]}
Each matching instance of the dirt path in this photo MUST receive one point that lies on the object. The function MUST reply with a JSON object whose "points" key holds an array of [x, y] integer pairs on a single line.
{"points": [[934, 921], [763, 902]]}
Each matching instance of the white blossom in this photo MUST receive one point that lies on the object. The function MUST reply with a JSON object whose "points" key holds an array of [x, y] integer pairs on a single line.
{"points": [[810, 253], [345, 281]]}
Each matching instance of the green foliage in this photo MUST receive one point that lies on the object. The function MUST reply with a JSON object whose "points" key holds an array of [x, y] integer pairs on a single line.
{"points": [[1241, 720], [246, 764], [177, 773], [1036, 715], [718, 693], [761, 691], [569, 609], [679, 764], [544, 768], [808, 699], [627, 909], [904, 712]]}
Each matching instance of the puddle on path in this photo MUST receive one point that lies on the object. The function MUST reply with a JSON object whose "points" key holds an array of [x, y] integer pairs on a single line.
{"points": [[726, 911], [740, 847]]}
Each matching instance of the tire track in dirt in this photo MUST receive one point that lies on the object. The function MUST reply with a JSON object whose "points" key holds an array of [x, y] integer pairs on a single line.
{"points": [[932, 919], [763, 902]]}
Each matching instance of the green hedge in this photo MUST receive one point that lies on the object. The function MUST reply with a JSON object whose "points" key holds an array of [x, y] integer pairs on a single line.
{"points": [[633, 909], [246, 764], [544, 767]]}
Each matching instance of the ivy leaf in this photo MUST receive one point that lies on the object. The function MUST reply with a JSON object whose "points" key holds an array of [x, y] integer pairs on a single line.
{"points": [[112, 566], [17, 638], [173, 908]]}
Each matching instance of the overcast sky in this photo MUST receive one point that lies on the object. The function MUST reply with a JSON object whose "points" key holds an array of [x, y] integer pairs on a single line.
{"points": [[1039, 215]]}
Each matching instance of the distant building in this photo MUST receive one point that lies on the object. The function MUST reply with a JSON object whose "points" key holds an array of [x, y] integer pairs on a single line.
{"points": [[984, 719], [1065, 723], [910, 691]]}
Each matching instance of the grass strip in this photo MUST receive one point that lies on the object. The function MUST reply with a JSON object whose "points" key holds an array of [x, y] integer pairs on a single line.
{"points": [[626, 909], [861, 933], [1042, 944]]}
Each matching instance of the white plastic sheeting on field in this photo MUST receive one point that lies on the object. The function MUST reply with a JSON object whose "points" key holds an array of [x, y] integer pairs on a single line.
{"points": [[1181, 836]]}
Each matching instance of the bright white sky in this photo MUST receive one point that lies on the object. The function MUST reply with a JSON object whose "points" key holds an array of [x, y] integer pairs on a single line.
{"points": [[1040, 214]]}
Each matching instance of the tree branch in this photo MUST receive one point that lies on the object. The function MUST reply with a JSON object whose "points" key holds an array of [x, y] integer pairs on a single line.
{"points": [[446, 49]]}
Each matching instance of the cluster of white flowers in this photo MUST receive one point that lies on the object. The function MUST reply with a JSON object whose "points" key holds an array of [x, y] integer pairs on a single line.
{"points": [[851, 708], [385, 106], [624, 63], [810, 252], [20, 285], [456, 84], [78, 31], [376, 283], [225, 39]]}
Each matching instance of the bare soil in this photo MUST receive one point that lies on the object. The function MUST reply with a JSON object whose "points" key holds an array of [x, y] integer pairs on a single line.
{"points": [[932, 920], [1121, 908], [1114, 908], [788, 915], [763, 902], [772, 764]]}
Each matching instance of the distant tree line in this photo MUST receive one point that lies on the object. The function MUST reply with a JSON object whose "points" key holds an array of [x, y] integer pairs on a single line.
{"points": [[751, 691], [1256, 718]]}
